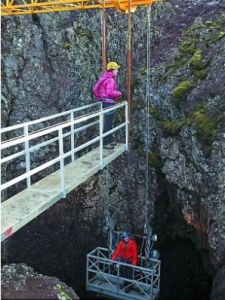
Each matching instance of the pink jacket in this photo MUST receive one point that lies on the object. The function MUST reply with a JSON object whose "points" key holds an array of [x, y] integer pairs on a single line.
{"points": [[106, 87]]}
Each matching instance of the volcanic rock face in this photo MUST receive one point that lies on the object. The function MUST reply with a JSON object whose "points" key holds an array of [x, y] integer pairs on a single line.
{"points": [[18, 281], [218, 291], [50, 62]]}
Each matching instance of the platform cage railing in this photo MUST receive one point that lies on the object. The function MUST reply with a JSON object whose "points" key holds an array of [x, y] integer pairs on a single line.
{"points": [[106, 276]]}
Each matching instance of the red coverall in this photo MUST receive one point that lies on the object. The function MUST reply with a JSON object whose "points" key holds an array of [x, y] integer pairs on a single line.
{"points": [[127, 252]]}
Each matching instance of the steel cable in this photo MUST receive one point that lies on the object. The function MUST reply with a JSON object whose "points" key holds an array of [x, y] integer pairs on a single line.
{"points": [[147, 100]]}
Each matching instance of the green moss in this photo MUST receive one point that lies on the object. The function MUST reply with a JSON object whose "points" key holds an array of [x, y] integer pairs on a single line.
{"points": [[206, 149], [181, 91], [205, 127], [61, 294], [200, 74], [137, 105], [154, 112], [196, 60], [172, 127], [219, 36], [209, 23], [154, 160], [134, 83], [188, 46], [86, 33], [140, 151], [178, 62], [138, 146], [208, 33], [142, 70], [67, 46]]}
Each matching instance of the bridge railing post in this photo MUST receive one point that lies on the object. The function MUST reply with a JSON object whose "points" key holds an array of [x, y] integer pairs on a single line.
{"points": [[72, 134], [61, 155], [127, 125], [27, 154], [101, 119]]}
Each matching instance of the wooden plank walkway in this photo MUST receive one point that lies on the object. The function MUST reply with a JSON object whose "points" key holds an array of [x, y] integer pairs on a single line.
{"points": [[29, 203]]}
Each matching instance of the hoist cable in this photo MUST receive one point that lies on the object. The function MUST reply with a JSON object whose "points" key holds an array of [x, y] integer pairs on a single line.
{"points": [[103, 31], [129, 29], [147, 99]]}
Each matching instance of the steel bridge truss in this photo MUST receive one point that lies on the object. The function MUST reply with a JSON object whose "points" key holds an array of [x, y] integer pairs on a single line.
{"points": [[24, 7], [104, 276]]}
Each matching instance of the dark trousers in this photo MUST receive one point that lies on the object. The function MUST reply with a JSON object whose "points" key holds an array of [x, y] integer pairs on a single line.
{"points": [[108, 122], [125, 271]]}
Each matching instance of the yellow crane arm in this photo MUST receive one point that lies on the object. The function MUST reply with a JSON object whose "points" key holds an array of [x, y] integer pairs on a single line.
{"points": [[24, 7]]}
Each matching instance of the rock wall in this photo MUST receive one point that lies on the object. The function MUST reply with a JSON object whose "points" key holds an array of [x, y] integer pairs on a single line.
{"points": [[50, 63]]}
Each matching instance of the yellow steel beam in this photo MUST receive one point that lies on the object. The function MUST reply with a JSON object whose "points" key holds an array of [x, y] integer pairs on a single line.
{"points": [[24, 7]]}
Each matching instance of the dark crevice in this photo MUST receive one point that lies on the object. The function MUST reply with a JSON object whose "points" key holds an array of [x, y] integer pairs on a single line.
{"points": [[182, 271], [36, 19]]}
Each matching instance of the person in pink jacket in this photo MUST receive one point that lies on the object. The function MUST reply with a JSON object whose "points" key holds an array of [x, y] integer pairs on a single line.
{"points": [[106, 90]]}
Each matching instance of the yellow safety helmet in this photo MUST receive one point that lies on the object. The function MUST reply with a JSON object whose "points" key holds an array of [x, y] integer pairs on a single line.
{"points": [[112, 65]]}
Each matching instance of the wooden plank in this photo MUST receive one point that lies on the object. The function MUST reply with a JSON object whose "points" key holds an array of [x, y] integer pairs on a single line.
{"points": [[29, 203]]}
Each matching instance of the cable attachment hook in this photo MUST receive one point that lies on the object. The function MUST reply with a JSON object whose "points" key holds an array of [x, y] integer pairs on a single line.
{"points": [[150, 239], [109, 228]]}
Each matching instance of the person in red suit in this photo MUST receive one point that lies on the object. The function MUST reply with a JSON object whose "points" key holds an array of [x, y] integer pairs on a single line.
{"points": [[126, 252]]}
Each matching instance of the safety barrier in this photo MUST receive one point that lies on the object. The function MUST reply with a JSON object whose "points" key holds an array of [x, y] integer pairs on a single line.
{"points": [[58, 130]]}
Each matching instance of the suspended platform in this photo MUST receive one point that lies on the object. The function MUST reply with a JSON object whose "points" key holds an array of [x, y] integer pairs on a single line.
{"points": [[24, 206], [105, 277]]}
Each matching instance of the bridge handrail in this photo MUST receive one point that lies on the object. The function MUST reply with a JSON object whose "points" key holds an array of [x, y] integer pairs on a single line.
{"points": [[68, 112], [55, 160], [7, 144], [60, 136], [36, 147]]}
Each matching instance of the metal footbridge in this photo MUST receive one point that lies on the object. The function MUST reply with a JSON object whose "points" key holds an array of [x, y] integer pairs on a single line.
{"points": [[51, 157]]}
